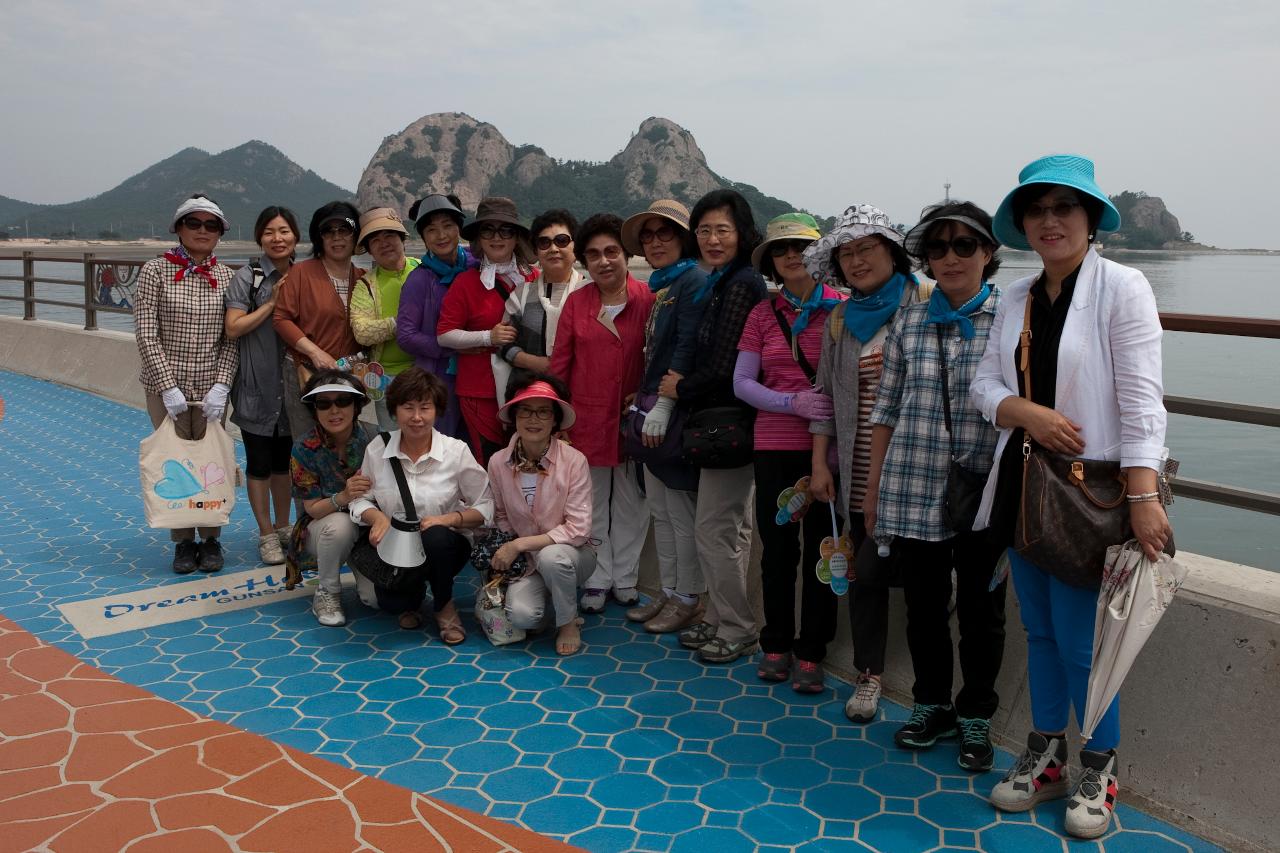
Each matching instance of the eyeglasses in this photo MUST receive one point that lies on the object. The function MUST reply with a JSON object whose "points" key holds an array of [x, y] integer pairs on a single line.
{"points": [[537, 414], [195, 223], [720, 232], [611, 253], [781, 247], [561, 241], [341, 229], [323, 404], [964, 247], [489, 232], [1059, 209], [663, 234], [862, 253]]}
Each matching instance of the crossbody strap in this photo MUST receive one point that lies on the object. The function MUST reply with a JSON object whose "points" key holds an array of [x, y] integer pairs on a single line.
{"points": [[406, 497], [1024, 363], [796, 352], [946, 390]]}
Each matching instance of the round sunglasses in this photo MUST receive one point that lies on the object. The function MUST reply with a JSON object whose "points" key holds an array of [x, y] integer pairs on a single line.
{"points": [[561, 241], [964, 247]]}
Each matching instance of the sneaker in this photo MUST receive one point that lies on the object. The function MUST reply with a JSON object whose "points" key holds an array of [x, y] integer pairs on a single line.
{"points": [[865, 701], [676, 615], [720, 650], [327, 606], [809, 677], [593, 600], [184, 557], [976, 753], [774, 666], [210, 555], [627, 596], [269, 550], [1038, 775], [927, 725], [648, 610], [1094, 797], [698, 635], [285, 533]]}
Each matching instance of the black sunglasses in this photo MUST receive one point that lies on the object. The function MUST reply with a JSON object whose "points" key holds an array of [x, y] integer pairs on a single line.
{"points": [[663, 233], [341, 229], [506, 232], [780, 248], [964, 247], [562, 241], [195, 223], [323, 404]]}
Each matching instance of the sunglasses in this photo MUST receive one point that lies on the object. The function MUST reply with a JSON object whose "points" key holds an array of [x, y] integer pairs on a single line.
{"points": [[340, 230], [780, 248], [663, 234], [195, 223], [611, 253], [1059, 209], [964, 247], [323, 404], [561, 241], [506, 232]]}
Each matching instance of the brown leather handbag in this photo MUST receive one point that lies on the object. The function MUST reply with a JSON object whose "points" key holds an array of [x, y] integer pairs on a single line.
{"points": [[1072, 509]]}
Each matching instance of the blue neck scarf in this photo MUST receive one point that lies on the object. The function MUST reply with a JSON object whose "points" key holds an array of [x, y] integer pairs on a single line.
{"points": [[940, 310], [663, 277], [864, 315], [815, 302], [713, 278], [447, 272]]}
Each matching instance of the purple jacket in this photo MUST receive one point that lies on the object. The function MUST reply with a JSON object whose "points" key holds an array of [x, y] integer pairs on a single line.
{"points": [[420, 300]]}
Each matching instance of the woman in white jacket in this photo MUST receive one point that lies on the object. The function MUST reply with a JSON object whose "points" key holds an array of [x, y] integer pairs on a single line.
{"points": [[1097, 393]]}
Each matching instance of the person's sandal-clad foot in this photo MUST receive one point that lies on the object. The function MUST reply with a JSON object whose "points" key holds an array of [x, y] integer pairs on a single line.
{"points": [[569, 638], [450, 624]]}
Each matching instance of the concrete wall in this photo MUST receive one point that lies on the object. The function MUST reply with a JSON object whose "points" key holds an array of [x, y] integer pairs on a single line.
{"points": [[1201, 709]]}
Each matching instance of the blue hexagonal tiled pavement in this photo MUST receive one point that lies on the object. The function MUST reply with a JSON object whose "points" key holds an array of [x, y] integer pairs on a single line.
{"points": [[630, 745]]}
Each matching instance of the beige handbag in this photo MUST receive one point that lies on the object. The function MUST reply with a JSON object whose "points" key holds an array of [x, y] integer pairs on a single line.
{"points": [[187, 483]]}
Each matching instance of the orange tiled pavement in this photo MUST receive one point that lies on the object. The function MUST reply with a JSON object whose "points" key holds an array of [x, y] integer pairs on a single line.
{"points": [[89, 763]]}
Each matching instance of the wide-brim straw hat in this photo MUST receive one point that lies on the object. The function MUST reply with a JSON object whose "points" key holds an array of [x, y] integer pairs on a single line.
{"points": [[539, 391], [495, 209], [666, 208], [379, 219], [1064, 170], [788, 226], [857, 221]]}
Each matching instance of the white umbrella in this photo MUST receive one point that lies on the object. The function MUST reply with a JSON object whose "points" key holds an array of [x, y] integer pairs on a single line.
{"points": [[1135, 593]]}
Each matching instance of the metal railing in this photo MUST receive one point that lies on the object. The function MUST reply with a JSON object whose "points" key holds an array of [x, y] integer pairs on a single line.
{"points": [[110, 286]]}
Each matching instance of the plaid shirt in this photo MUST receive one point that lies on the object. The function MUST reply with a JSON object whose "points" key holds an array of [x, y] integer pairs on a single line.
{"points": [[180, 330], [913, 479]]}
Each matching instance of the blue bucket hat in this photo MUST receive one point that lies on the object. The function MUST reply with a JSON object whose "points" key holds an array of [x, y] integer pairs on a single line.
{"points": [[1066, 170]]}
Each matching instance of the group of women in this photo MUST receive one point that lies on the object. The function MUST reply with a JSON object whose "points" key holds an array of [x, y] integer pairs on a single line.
{"points": [[862, 387]]}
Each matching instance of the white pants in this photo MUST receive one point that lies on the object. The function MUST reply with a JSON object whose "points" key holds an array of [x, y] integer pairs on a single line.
{"points": [[558, 570], [329, 540], [619, 521], [674, 514], [726, 503]]}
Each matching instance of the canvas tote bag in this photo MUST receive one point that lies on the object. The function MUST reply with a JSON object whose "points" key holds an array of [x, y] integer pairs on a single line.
{"points": [[187, 483]]}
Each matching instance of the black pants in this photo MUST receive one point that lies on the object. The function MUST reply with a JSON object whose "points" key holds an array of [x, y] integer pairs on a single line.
{"points": [[447, 552], [927, 583], [784, 546], [868, 610], [265, 455]]}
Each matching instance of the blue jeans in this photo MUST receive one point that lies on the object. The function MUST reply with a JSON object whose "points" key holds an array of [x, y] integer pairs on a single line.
{"points": [[1059, 622]]}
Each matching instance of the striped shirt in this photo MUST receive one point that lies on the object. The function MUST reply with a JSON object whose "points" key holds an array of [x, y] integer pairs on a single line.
{"points": [[870, 366]]}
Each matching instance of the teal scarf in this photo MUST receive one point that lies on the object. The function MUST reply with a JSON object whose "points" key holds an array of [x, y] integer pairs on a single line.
{"points": [[815, 302], [663, 277], [713, 278], [447, 272], [864, 315], [940, 310]]}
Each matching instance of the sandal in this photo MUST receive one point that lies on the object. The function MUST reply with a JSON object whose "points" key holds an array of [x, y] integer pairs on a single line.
{"points": [[410, 620], [571, 646], [451, 631]]}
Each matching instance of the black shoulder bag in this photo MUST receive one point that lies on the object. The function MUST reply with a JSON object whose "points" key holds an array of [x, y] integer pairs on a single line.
{"points": [[964, 486], [364, 555]]}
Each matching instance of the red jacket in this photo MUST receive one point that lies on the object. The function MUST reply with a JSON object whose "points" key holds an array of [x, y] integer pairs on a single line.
{"points": [[602, 363], [467, 305]]}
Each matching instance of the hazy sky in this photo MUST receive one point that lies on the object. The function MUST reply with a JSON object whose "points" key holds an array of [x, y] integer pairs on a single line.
{"points": [[836, 104]]}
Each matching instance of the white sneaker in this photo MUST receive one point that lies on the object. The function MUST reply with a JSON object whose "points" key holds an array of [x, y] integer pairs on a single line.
{"points": [[327, 606], [1094, 797], [285, 533], [269, 549], [865, 701], [1039, 774], [593, 600], [626, 596]]}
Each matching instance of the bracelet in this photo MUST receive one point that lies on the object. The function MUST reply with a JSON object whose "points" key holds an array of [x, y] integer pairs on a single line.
{"points": [[333, 499], [461, 517], [1145, 497]]}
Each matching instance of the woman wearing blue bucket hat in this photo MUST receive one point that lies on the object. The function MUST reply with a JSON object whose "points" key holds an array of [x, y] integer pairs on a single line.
{"points": [[1094, 369]]}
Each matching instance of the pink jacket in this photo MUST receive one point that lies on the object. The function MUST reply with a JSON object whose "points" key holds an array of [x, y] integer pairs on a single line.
{"points": [[561, 506]]}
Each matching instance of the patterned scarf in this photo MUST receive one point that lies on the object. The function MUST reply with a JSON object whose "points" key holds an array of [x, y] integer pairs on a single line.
{"points": [[180, 257], [816, 302], [489, 272], [940, 310], [524, 464], [447, 272], [864, 315], [663, 277]]}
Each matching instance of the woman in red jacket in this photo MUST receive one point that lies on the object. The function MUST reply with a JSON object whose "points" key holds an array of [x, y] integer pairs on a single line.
{"points": [[473, 319], [599, 352]]}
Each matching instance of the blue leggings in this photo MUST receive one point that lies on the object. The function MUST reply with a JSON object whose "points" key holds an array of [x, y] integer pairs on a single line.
{"points": [[1059, 622]]}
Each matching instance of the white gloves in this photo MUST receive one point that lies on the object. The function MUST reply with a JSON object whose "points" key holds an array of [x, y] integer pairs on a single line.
{"points": [[655, 423], [215, 402], [175, 402]]}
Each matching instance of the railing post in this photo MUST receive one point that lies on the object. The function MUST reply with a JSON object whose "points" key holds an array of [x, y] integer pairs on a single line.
{"points": [[90, 309], [28, 286]]}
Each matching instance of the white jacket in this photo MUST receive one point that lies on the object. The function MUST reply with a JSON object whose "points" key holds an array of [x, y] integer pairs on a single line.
{"points": [[1109, 368]]}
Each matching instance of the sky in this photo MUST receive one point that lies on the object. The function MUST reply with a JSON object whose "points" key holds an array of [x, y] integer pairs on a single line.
{"points": [[824, 105]]}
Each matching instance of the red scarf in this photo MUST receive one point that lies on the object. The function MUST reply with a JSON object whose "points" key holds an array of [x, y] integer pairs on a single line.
{"points": [[180, 257]]}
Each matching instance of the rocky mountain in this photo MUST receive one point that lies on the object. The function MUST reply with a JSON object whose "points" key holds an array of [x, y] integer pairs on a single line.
{"points": [[242, 180], [1145, 223], [453, 152]]}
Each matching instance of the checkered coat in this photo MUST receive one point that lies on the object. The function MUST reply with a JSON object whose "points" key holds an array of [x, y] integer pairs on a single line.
{"points": [[179, 328]]}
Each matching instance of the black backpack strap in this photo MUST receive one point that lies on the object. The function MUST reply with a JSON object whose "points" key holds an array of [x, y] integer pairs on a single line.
{"points": [[946, 390], [796, 352], [406, 496]]}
